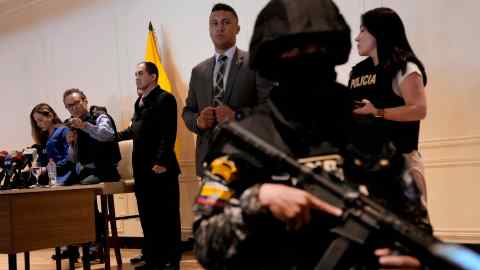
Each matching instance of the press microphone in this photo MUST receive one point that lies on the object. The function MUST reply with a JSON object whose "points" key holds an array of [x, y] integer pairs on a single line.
{"points": [[8, 163], [12, 163], [31, 154], [18, 159], [18, 156], [7, 172], [3, 156]]}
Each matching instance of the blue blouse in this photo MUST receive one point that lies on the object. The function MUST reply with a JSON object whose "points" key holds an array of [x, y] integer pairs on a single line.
{"points": [[57, 149]]}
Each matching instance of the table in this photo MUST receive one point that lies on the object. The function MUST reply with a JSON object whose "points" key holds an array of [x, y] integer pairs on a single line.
{"points": [[39, 218]]}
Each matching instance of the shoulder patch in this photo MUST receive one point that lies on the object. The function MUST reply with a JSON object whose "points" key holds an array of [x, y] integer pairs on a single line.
{"points": [[213, 195]]}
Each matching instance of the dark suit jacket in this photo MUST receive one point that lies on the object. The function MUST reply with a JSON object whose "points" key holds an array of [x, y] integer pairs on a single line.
{"points": [[153, 130], [244, 90]]}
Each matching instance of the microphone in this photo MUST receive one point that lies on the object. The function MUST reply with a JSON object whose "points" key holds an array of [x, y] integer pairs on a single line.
{"points": [[7, 171], [3, 156], [31, 154], [18, 156], [13, 160], [8, 164], [18, 160], [12, 164]]}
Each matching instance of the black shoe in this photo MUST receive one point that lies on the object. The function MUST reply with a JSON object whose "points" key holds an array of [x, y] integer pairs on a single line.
{"points": [[137, 259], [67, 253], [95, 253]]}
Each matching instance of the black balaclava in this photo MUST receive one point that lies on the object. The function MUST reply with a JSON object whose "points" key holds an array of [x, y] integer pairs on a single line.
{"points": [[287, 24], [304, 81]]}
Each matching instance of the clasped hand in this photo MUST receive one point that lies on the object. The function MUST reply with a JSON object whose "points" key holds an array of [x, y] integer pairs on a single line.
{"points": [[211, 115], [364, 107], [76, 122]]}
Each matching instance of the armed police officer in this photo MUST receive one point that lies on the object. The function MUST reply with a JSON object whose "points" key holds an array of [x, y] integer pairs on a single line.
{"points": [[249, 215]]}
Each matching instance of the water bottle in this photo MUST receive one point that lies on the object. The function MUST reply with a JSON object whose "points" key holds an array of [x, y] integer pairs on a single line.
{"points": [[52, 172]]}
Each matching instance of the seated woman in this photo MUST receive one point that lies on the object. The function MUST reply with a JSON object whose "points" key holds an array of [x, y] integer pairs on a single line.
{"points": [[48, 131]]}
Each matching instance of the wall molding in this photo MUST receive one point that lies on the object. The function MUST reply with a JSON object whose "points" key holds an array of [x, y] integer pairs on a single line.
{"points": [[467, 236], [451, 162], [188, 171], [187, 230], [446, 143], [187, 162], [449, 142]]}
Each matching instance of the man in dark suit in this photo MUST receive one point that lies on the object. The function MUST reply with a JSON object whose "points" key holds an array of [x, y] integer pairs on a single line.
{"points": [[222, 87], [155, 169]]}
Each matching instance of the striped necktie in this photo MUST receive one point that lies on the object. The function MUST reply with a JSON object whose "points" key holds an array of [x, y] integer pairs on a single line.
{"points": [[219, 89]]}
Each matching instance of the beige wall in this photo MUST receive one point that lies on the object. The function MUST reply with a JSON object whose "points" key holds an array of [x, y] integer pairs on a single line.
{"points": [[47, 46]]}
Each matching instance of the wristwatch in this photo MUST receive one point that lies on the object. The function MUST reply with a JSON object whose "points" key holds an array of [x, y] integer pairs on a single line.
{"points": [[380, 113]]}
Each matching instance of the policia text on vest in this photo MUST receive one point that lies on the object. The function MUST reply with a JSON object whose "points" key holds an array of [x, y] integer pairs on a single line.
{"points": [[364, 80]]}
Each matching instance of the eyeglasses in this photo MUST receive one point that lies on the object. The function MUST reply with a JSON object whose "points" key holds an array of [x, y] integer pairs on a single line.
{"points": [[70, 106]]}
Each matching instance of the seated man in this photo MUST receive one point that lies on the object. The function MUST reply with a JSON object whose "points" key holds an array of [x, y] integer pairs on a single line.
{"points": [[93, 149], [257, 218], [92, 140]]}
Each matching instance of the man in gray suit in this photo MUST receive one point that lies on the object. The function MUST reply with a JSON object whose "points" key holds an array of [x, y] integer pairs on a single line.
{"points": [[222, 87]]}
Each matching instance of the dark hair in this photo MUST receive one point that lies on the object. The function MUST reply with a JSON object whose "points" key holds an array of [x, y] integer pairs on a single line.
{"points": [[151, 68], [393, 48], [68, 92], [39, 136], [224, 7]]}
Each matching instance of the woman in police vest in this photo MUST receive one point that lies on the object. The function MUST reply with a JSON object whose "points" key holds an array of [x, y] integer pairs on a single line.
{"points": [[389, 85]]}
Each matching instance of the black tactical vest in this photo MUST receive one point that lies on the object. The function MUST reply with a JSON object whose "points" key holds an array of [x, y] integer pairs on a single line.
{"points": [[371, 82], [104, 155]]}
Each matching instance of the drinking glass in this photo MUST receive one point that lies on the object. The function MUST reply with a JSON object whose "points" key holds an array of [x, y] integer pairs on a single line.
{"points": [[36, 170]]}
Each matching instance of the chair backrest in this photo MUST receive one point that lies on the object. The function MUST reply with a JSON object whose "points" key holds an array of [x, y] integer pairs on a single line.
{"points": [[125, 165]]}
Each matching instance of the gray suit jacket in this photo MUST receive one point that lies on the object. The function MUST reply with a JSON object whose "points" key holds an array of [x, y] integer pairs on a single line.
{"points": [[244, 90]]}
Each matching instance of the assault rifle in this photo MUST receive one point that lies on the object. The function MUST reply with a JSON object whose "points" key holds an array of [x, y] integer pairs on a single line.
{"points": [[363, 217]]}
